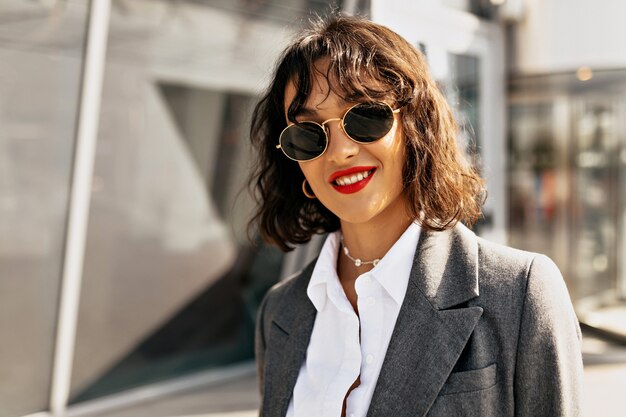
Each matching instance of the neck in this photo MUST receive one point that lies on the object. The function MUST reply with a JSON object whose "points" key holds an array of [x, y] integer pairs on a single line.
{"points": [[368, 241]]}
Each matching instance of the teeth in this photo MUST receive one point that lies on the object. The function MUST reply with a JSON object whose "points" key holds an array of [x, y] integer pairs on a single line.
{"points": [[351, 179]]}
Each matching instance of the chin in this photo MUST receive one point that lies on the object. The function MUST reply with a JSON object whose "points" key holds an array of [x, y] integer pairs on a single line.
{"points": [[354, 216]]}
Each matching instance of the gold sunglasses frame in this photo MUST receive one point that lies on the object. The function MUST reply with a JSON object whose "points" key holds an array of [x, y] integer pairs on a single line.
{"points": [[323, 127]]}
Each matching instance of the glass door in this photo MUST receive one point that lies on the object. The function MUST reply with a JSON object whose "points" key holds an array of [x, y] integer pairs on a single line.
{"points": [[567, 174], [538, 183], [596, 202]]}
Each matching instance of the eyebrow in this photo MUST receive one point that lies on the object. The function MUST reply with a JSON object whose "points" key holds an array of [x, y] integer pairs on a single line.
{"points": [[309, 112], [305, 111]]}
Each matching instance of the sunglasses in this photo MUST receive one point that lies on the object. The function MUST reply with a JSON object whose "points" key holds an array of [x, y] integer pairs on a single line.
{"points": [[363, 123]]}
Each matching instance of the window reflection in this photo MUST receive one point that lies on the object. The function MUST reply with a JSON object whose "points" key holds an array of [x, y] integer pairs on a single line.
{"points": [[171, 284], [205, 280]]}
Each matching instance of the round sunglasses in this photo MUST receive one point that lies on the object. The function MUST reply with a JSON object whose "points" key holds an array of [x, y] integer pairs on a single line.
{"points": [[363, 123]]}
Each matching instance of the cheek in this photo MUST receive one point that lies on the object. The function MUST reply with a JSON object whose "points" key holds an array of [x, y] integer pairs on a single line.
{"points": [[310, 170], [396, 158], [393, 148], [394, 140]]}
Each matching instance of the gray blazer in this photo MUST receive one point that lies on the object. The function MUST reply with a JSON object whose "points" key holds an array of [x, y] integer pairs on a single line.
{"points": [[484, 330]]}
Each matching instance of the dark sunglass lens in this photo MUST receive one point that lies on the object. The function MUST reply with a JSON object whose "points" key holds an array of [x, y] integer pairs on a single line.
{"points": [[368, 122], [303, 141]]}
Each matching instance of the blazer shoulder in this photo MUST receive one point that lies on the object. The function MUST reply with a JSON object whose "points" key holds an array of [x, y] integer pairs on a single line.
{"points": [[546, 285], [279, 291], [276, 293], [505, 267], [498, 256], [526, 273]]}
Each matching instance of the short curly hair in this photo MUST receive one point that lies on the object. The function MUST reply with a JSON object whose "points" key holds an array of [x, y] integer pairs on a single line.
{"points": [[440, 184]]}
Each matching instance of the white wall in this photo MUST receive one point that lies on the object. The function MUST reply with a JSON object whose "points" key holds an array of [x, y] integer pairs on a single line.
{"points": [[562, 35]]}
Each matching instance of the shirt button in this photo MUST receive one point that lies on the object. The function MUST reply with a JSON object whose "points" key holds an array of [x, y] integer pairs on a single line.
{"points": [[352, 415], [369, 359], [371, 301]]}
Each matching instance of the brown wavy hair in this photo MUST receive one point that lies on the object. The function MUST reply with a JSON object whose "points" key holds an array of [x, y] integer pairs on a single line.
{"points": [[440, 184]]}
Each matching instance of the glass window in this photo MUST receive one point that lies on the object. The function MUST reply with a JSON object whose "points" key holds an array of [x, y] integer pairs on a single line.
{"points": [[567, 165], [171, 283], [40, 68], [182, 284]]}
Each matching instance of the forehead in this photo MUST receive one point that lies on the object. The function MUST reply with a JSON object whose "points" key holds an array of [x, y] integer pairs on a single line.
{"points": [[326, 93], [322, 95]]}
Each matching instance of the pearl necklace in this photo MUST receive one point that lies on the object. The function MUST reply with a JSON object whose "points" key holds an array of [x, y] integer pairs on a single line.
{"points": [[357, 261]]}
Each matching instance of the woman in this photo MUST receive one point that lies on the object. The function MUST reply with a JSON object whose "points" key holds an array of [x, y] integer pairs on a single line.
{"points": [[405, 312]]}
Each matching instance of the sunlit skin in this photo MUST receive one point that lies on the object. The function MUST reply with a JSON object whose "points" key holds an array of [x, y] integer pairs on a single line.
{"points": [[373, 218]]}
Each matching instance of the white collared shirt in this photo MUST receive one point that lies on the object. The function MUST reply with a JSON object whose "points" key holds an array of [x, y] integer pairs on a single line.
{"points": [[337, 354]]}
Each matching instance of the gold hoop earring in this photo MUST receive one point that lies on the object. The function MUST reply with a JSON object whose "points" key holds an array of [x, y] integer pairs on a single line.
{"points": [[306, 193]]}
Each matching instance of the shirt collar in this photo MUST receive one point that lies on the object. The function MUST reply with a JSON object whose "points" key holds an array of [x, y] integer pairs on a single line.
{"points": [[394, 269], [325, 272]]}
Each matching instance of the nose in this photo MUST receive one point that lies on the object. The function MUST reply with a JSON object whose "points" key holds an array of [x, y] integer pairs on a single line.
{"points": [[340, 146]]}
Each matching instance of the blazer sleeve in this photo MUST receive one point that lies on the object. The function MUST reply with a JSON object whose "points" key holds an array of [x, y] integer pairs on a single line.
{"points": [[549, 370]]}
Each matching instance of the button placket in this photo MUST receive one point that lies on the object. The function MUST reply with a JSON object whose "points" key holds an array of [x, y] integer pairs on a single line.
{"points": [[371, 329]]}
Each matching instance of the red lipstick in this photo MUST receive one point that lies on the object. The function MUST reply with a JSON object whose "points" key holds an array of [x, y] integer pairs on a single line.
{"points": [[357, 186]]}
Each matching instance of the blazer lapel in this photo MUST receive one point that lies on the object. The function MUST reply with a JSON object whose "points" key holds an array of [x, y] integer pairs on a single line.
{"points": [[433, 325], [291, 329]]}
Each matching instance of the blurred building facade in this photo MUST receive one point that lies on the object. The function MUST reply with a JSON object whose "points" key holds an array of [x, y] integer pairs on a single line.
{"points": [[567, 147], [165, 286]]}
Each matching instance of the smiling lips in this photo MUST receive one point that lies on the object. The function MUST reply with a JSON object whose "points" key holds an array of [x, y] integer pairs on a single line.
{"points": [[351, 180]]}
